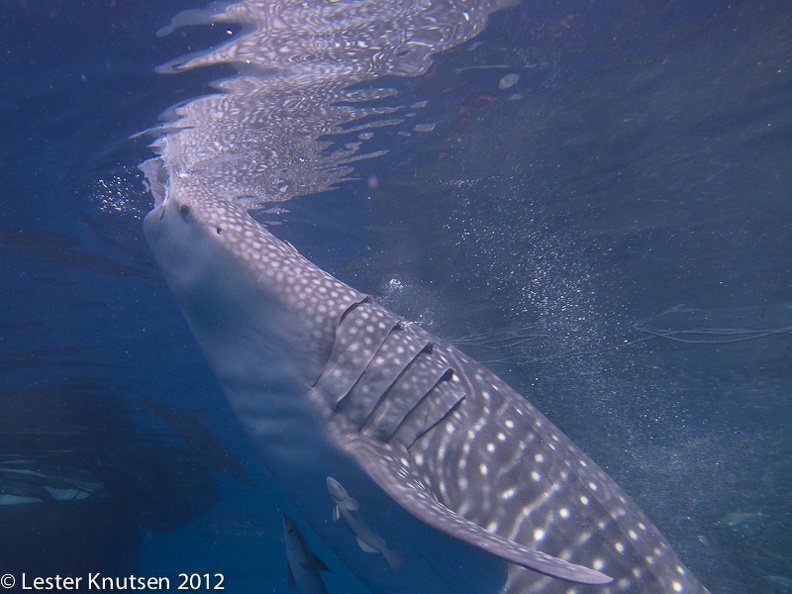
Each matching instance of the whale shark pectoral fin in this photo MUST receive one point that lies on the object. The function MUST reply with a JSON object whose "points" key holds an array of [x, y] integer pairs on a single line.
{"points": [[389, 467]]}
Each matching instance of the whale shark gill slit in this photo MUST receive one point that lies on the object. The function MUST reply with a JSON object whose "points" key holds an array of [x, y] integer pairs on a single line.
{"points": [[417, 397]]}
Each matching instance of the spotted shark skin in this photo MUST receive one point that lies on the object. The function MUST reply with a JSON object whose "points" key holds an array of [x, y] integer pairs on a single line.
{"points": [[327, 382]]}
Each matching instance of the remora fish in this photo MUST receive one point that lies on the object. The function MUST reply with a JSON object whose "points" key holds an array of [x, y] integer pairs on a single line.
{"points": [[302, 566], [325, 381], [347, 509]]}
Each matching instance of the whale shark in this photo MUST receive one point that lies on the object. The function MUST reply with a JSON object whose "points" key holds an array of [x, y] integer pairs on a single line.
{"points": [[451, 467], [479, 490]]}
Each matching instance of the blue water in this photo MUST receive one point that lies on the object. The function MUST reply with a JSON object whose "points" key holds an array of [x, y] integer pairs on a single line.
{"points": [[610, 234]]}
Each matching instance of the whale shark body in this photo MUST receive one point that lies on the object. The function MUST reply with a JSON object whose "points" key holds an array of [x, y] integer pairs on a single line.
{"points": [[451, 467], [479, 490]]}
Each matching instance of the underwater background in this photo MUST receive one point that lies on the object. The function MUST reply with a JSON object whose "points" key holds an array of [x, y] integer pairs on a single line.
{"points": [[593, 199]]}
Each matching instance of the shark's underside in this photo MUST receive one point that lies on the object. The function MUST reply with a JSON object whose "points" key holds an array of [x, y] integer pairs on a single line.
{"points": [[327, 382]]}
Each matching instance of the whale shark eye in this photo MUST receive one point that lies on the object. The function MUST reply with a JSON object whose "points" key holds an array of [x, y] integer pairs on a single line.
{"points": [[184, 210]]}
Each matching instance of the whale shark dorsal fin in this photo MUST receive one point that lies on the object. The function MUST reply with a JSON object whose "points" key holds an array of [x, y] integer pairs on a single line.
{"points": [[390, 469]]}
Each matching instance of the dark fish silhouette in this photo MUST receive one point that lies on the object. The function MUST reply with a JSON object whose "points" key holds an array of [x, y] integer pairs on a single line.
{"points": [[302, 565], [202, 441]]}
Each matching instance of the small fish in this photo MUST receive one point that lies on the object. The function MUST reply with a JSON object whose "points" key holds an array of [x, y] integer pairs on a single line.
{"points": [[481, 67], [347, 509], [508, 81], [779, 583], [302, 565], [57, 483], [14, 492], [742, 521]]}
